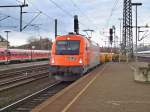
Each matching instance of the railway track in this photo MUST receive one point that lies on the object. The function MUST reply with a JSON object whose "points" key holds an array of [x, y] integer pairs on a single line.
{"points": [[19, 81], [10, 73], [15, 78], [143, 59], [19, 71], [28, 103]]}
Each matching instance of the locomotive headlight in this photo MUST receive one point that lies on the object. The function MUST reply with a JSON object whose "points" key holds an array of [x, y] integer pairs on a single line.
{"points": [[80, 61], [52, 60]]}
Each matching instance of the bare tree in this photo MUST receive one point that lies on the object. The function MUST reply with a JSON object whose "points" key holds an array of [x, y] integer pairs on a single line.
{"points": [[39, 44]]}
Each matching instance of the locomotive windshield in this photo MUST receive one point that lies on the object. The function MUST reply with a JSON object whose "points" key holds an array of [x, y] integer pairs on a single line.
{"points": [[67, 47]]}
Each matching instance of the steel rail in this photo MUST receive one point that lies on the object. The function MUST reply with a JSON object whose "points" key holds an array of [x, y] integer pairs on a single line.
{"points": [[6, 73], [22, 77], [28, 98], [25, 81]]}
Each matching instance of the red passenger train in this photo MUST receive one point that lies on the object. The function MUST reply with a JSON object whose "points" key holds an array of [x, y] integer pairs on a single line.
{"points": [[72, 55], [13, 55]]}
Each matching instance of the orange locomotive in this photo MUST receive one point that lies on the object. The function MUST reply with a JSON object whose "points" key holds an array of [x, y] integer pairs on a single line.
{"points": [[72, 55]]}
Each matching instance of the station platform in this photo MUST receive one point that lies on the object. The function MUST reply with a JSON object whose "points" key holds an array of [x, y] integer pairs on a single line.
{"points": [[137, 64], [108, 88]]}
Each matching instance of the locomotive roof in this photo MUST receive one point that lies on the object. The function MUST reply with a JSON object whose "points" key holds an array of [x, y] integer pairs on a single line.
{"points": [[72, 35]]}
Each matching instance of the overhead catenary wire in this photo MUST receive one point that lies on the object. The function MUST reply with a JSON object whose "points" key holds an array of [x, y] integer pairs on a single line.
{"points": [[45, 14], [14, 18], [112, 12], [21, 6], [31, 21], [59, 7], [62, 9], [6, 16], [23, 2], [18, 1], [83, 13], [9, 16], [66, 12], [42, 12]]}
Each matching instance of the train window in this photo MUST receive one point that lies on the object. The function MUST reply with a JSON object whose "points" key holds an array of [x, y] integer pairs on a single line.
{"points": [[7, 53], [1, 53], [67, 47]]}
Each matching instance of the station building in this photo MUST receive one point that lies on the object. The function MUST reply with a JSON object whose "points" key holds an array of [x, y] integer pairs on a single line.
{"points": [[3, 42]]}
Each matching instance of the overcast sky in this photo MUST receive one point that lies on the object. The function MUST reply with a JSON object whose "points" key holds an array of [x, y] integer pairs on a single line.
{"points": [[98, 15]]}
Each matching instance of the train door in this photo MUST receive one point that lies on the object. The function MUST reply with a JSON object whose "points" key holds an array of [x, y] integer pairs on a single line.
{"points": [[7, 55], [2, 58]]}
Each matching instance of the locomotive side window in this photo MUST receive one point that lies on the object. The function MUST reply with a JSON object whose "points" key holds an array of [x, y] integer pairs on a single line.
{"points": [[67, 47]]}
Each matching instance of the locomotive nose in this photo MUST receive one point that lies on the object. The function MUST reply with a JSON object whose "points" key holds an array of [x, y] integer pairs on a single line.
{"points": [[66, 60]]}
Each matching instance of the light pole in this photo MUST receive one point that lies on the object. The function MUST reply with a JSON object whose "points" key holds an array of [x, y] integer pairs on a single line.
{"points": [[7, 32], [32, 52], [114, 36], [7, 55], [136, 4], [120, 19]]}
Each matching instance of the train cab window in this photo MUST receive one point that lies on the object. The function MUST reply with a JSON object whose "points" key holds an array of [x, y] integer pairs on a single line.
{"points": [[67, 47], [1, 53]]}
